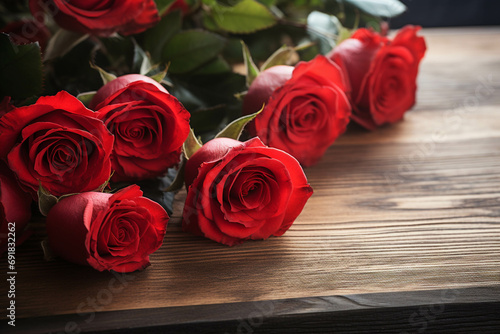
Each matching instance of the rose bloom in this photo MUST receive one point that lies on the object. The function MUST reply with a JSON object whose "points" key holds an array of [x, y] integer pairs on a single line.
{"points": [[56, 142], [306, 108], [148, 123], [99, 17], [15, 207], [382, 73], [27, 31], [239, 191], [107, 231]]}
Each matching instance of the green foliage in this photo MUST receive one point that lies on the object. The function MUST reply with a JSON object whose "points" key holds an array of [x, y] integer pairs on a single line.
{"points": [[20, 69], [283, 56], [163, 6], [191, 145], [86, 97], [216, 66], [252, 69], [379, 8], [234, 129], [62, 42], [105, 76], [323, 29], [45, 200], [157, 37], [245, 17], [190, 49]]}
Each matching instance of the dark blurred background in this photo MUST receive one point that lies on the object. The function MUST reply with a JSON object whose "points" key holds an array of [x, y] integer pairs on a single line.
{"points": [[446, 13]]}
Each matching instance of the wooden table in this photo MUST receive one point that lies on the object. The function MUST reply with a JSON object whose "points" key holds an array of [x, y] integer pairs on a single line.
{"points": [[401, 235]]}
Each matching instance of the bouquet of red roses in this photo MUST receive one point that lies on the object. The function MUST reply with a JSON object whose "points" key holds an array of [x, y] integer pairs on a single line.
{"points": [[100, 99]]}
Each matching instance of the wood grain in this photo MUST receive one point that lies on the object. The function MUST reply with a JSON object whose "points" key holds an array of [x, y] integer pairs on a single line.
{"points": [[411, 207], [432, 311]]}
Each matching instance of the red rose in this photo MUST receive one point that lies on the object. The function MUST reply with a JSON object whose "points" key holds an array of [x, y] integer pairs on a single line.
{"points": [[28, 31], [56, 142], [15, 211], [107, 231], [239, 191], [382, 73], [99, 17], [306, 108], [149, 125]]}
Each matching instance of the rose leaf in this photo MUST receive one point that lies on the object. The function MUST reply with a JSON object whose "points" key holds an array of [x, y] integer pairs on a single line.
{"points": [[105, 76], [285, 55], [62, 42], [190, 49], [86, 97], [379, 8], [163, 6], [191, 145], [324, 29], [20, 69], [252, 69], [178, 182], [157, 37], [247, 16], [45, 200]]}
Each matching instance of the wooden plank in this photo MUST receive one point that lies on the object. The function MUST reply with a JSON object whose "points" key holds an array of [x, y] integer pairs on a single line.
{"points": [[411, 207], [414, 310]]}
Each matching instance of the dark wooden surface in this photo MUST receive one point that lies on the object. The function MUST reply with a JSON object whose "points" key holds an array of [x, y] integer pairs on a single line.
{"points": [[402, 233]]}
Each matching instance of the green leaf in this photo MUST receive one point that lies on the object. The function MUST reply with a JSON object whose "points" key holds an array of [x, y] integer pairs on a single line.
{"points": [[344, 34], [206, 120], [324, 29], [163, 6], [157, 37], [86, 97], [141, 62], [158, 77], [216, 66], [62, 42], [190, 49], [245, 17], [45, 200], [268, 3], [379, 8], [235, 128], [105, 76], [178, 182], [209, 22], [20, 69], [252, 69], [285, 55], [191, 145]]}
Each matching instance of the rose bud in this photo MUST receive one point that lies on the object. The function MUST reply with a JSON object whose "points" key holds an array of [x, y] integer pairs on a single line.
{"points": [[148, 123], [107, 231], [58, 143], [15, 209], [99, 17], [239, 191], [28, 31], [382, 73], [306, 108]]}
